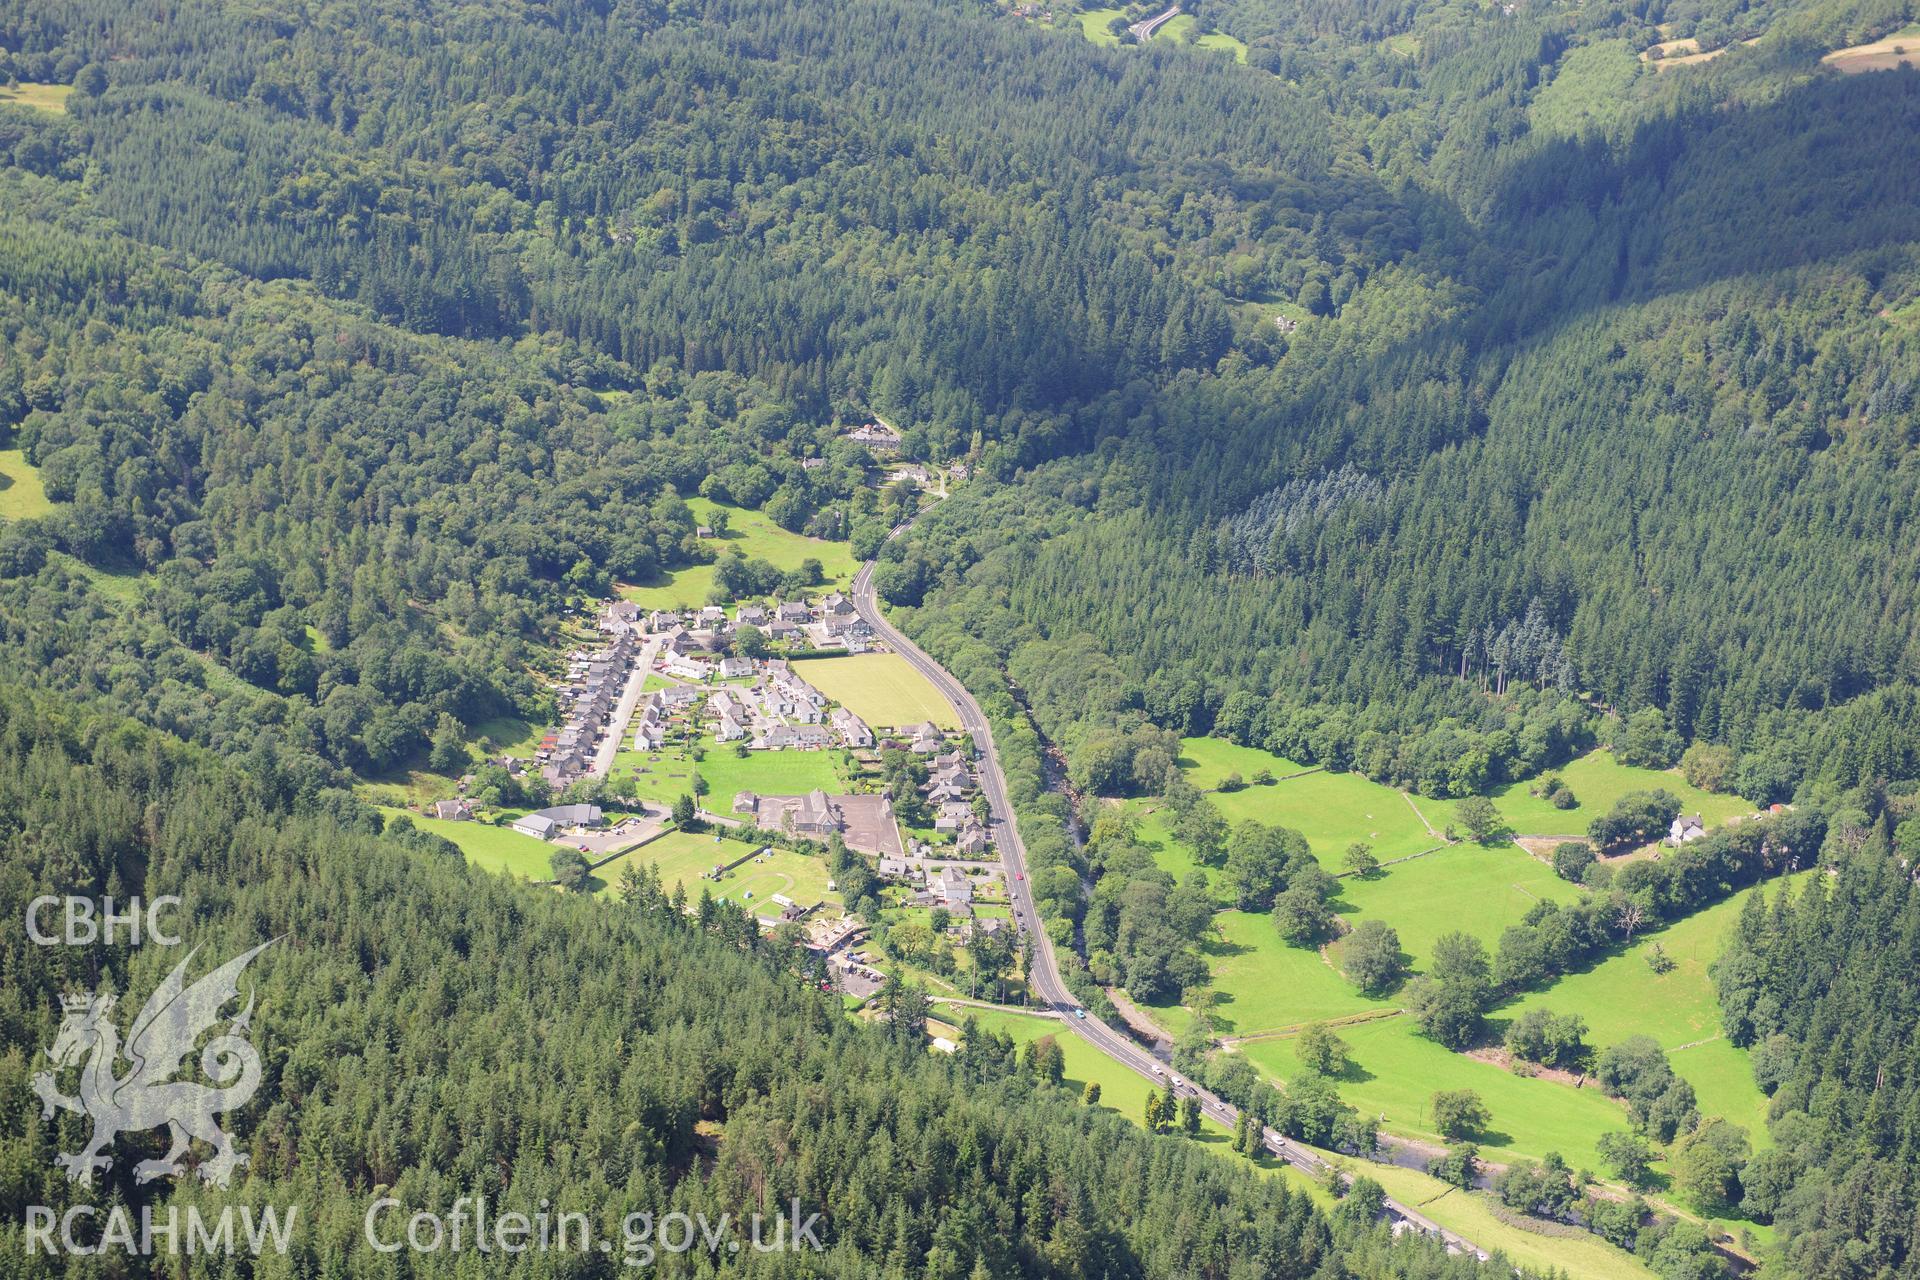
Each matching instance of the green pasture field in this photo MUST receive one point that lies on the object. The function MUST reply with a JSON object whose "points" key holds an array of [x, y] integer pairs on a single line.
{"points": [[22, 495], [497, 849], [1577, 1254], [1622, 996], [1221, 42], [755, 535], [1093, 25], [773, 773], [1598, 781], [1465, 887], [1332, 810], [1171, 856], [1262, 984], [1395, 1072], [881, 688]]}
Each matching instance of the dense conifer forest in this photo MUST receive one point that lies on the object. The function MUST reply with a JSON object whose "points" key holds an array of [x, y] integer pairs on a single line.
{"points": [[1444, 390]]}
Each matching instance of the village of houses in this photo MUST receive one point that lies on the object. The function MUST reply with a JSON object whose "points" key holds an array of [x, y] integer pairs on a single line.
{"points": [[664, 686]]}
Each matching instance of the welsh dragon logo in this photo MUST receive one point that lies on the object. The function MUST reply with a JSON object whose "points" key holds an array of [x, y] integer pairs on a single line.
{"points": [[146, 1097]]}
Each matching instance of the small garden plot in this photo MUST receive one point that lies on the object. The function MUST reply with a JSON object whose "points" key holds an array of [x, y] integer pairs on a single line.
{"points": [[1395, 1072], [882, 689], [1464, 888], [1597, 781]]}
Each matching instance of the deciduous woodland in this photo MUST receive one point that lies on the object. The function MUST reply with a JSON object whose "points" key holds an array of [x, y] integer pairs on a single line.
{"points": [[1323, 437]]}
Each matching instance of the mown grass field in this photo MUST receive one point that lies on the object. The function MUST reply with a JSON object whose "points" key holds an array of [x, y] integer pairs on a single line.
{"points": [[497, 849], [41, 97], [1597, 781], [1465, 887], [881, 688], [755, 535], [1221, 42], [684, 857], [727, 774], [1262, 984], [1577, 1255], [1395, 1071], [22, 496]]}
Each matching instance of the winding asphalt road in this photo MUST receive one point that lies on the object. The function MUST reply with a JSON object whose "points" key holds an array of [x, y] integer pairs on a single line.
{"points": [[1045, 976]]}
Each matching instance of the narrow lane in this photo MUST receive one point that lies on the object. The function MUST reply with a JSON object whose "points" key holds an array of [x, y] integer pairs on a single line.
{"points": [[1045, 976]]}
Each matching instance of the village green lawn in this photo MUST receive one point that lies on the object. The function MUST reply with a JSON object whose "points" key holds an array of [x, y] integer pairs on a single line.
{"points": [[881, 688], [1466, 887], [755, 535], [1598, 781], [1622, 996], [501, 850], [1577, 1254], [1394, 1072], [1262, 984], [777, 773], [42, 97], [22, 496]]}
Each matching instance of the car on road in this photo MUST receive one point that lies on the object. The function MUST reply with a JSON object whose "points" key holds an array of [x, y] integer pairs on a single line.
{"points": [[1080, 1013]]}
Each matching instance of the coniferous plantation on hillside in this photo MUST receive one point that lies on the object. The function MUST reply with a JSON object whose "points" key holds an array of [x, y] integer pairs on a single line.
{"points": [[1426, 494]]}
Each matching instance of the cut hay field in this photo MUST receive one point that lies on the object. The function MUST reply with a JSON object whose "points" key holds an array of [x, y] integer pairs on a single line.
{"points": [[1395, 1072], [22, 496], [1577, 1254], [500, 850], [42, 97], [1332, 810], [881, 688], [1622, 996], [754, 535], [1597, 781], [1466, 887], [1902, 48], [1262, 984], [1221, 42]]}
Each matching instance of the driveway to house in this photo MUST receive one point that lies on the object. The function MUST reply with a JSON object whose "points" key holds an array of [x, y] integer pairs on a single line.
{"points": [[623, 711], [1045, 970]]}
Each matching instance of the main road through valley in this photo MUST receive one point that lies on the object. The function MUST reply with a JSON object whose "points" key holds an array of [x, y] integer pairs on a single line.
{"points": [[1045, 975]]}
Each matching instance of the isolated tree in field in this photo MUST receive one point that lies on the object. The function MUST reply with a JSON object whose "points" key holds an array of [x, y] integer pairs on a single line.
{"points": [[569, 869], [1448, 1003], [1045, 1060], [1200, 827], [1091, 1095], [1359, 859], [1256, 868], [1460, 1166], [1482, 821], [683, 812], [1628, 917], [1154, 1113], [1372, 957], [1319, 1049], [1458, 1113]]}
